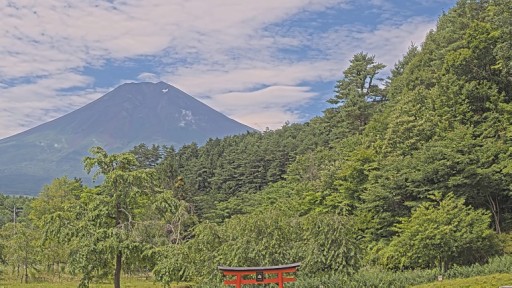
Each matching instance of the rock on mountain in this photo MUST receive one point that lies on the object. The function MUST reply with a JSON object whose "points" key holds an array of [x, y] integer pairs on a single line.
{"points": [[134, 113]]}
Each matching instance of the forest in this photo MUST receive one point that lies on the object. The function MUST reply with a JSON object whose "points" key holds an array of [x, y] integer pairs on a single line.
{"points": [[402, 179]]}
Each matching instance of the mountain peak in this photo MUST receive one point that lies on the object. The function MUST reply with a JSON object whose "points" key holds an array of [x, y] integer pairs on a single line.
{"points": [[133, 113]]}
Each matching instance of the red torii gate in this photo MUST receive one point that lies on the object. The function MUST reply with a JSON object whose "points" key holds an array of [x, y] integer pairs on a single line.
{"points": [[260, 274]]}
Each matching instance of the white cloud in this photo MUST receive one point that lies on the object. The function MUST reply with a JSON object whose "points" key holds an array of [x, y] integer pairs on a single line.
{"points": [[268, 107], [388, 42], [227, 52], [148, 77], [246, 75], [433, 2], [57, 35], [28, 105]]}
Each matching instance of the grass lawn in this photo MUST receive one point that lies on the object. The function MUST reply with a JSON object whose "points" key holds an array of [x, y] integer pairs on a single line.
{"points": [[494, 281], [125, 282]]}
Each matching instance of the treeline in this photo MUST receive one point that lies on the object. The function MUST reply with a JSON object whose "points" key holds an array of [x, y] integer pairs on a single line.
{"points": [[223, 168], [409, 173]]}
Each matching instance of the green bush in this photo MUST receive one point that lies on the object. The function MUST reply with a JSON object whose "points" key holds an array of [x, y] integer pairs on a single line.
{"points": [[442, 233]]}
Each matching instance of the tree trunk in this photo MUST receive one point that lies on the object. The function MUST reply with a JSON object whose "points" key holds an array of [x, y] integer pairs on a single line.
{"points": [[26, 266], [117, 273], [26, 273], [495, 210]]}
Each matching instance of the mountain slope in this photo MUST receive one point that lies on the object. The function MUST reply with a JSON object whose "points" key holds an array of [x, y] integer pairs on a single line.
{"points": [[151, 113]]}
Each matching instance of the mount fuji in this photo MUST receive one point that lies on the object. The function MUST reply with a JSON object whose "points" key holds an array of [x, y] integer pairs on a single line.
{"points": [[131, 114]]}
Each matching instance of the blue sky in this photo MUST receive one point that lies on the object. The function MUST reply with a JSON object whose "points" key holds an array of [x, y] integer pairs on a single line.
{"points": [[262, 63]]}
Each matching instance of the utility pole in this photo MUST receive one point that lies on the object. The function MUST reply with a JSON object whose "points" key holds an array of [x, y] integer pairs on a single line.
{"points": [[14, 217], [15, 211]]}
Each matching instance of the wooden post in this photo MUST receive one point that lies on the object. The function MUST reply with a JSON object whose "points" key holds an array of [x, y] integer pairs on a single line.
{"points": [[239, 280]]}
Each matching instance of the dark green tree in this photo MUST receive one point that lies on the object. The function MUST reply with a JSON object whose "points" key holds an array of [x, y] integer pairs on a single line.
{"points": [[359, 91]]}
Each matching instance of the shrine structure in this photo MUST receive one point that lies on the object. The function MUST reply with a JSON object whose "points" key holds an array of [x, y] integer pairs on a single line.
{"points": [[242, 275]]}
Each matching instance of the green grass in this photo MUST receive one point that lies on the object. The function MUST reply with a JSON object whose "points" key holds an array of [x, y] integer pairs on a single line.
{"points": [[125, 282], [494, 281]]}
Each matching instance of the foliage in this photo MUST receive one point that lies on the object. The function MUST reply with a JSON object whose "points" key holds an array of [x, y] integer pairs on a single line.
{"points": [[222, 168], [11, 206], [20, 247], [106, 225], [53, 214], [440, 234], [171, 264], [358, 93], [265, 238], [329, 245], [260, 239]]}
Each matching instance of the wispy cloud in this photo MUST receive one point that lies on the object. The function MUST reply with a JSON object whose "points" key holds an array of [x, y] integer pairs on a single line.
{"points": [[27, 105], [245, 77], [247, 59], [265, 108]]}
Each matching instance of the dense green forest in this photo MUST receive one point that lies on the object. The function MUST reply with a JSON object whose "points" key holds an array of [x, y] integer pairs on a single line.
{"points": [[402, 179]]}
